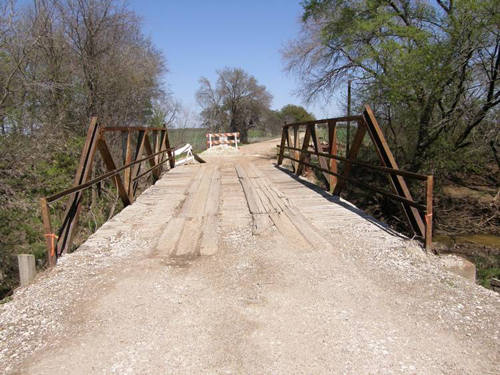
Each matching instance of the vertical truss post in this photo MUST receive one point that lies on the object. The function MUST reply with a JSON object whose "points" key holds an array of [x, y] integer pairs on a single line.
{"points": [[348, 129], [170, 154], [289, 143], [127, 173], [323, 162], [138, 155], [303, 153], [151, 161], [158, 148], [163, 147], [398, 182], [353, 153], [429, 185], [50, 238], [111, 166], [284, 136], [73, 207], [157, 145], [295, 144], [332, 150], [314, 138]]}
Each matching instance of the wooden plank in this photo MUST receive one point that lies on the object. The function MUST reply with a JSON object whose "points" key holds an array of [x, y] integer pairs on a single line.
{"points": [[168, 240], [189, 242], [188, 208], [209, 239], [306, 229], [273, 202], [261, 223], [398, 183], [254, 204], [213, 196], [209, 244], [289, 231], [111, 166]]}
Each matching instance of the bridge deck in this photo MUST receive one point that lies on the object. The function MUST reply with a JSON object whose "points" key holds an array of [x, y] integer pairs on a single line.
{"points": [[235, 266]]}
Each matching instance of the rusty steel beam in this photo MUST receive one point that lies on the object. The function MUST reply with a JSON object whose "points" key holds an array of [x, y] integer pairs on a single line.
{"points": [[73, 207], [419, 223], [338, 119], [398, 182], [126, 187]]}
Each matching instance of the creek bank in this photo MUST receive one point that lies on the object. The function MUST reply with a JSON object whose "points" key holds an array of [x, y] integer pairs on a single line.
{"points": [[466, 221], [481, 249]]}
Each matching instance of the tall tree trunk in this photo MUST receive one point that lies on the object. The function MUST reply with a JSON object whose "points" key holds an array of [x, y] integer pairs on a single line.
{"points": [[244, 135], [233, 127]]}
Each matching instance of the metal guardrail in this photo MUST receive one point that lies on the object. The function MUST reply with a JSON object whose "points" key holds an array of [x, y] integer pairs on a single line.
{"points": [[419, 215]]}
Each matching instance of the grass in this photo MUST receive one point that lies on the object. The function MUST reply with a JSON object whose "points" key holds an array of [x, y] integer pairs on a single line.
{"points": [[257, 135], [194, 136]]}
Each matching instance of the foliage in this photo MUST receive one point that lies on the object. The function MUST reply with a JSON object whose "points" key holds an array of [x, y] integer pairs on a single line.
{"points": [[429, 69], [62, 61], [487, 270], [194, 136], [291, 113]]}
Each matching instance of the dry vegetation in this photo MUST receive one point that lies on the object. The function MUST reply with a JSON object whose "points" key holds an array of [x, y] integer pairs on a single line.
{"points": [[62, 61]]}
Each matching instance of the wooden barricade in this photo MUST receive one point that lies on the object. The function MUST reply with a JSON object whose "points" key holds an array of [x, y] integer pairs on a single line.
{"points": [[215, 139]]}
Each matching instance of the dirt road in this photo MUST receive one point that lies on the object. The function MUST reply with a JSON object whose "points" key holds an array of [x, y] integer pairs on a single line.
{"points": [[236, 267]]}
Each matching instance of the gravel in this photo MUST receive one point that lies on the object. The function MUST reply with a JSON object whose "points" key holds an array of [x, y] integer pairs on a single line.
{"points": [[368, 302]]}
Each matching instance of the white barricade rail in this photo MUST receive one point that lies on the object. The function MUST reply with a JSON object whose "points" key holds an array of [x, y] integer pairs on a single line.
{"points": [[188, 149], [215, 139]]}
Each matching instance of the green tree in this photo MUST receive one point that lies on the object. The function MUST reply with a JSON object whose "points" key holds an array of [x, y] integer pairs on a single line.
{"points": [[430, 69], [291, 113]]}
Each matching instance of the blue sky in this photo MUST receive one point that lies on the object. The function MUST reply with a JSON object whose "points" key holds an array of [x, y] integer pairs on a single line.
{"points": [[198, 37]]}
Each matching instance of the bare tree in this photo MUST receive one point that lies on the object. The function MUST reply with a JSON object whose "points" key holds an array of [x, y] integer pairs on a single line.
{"points": [[237, 103], [211, 101]]}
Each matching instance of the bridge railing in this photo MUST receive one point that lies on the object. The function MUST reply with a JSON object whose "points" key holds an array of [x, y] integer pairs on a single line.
{"points": [[418, 214], [152, 146]]}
